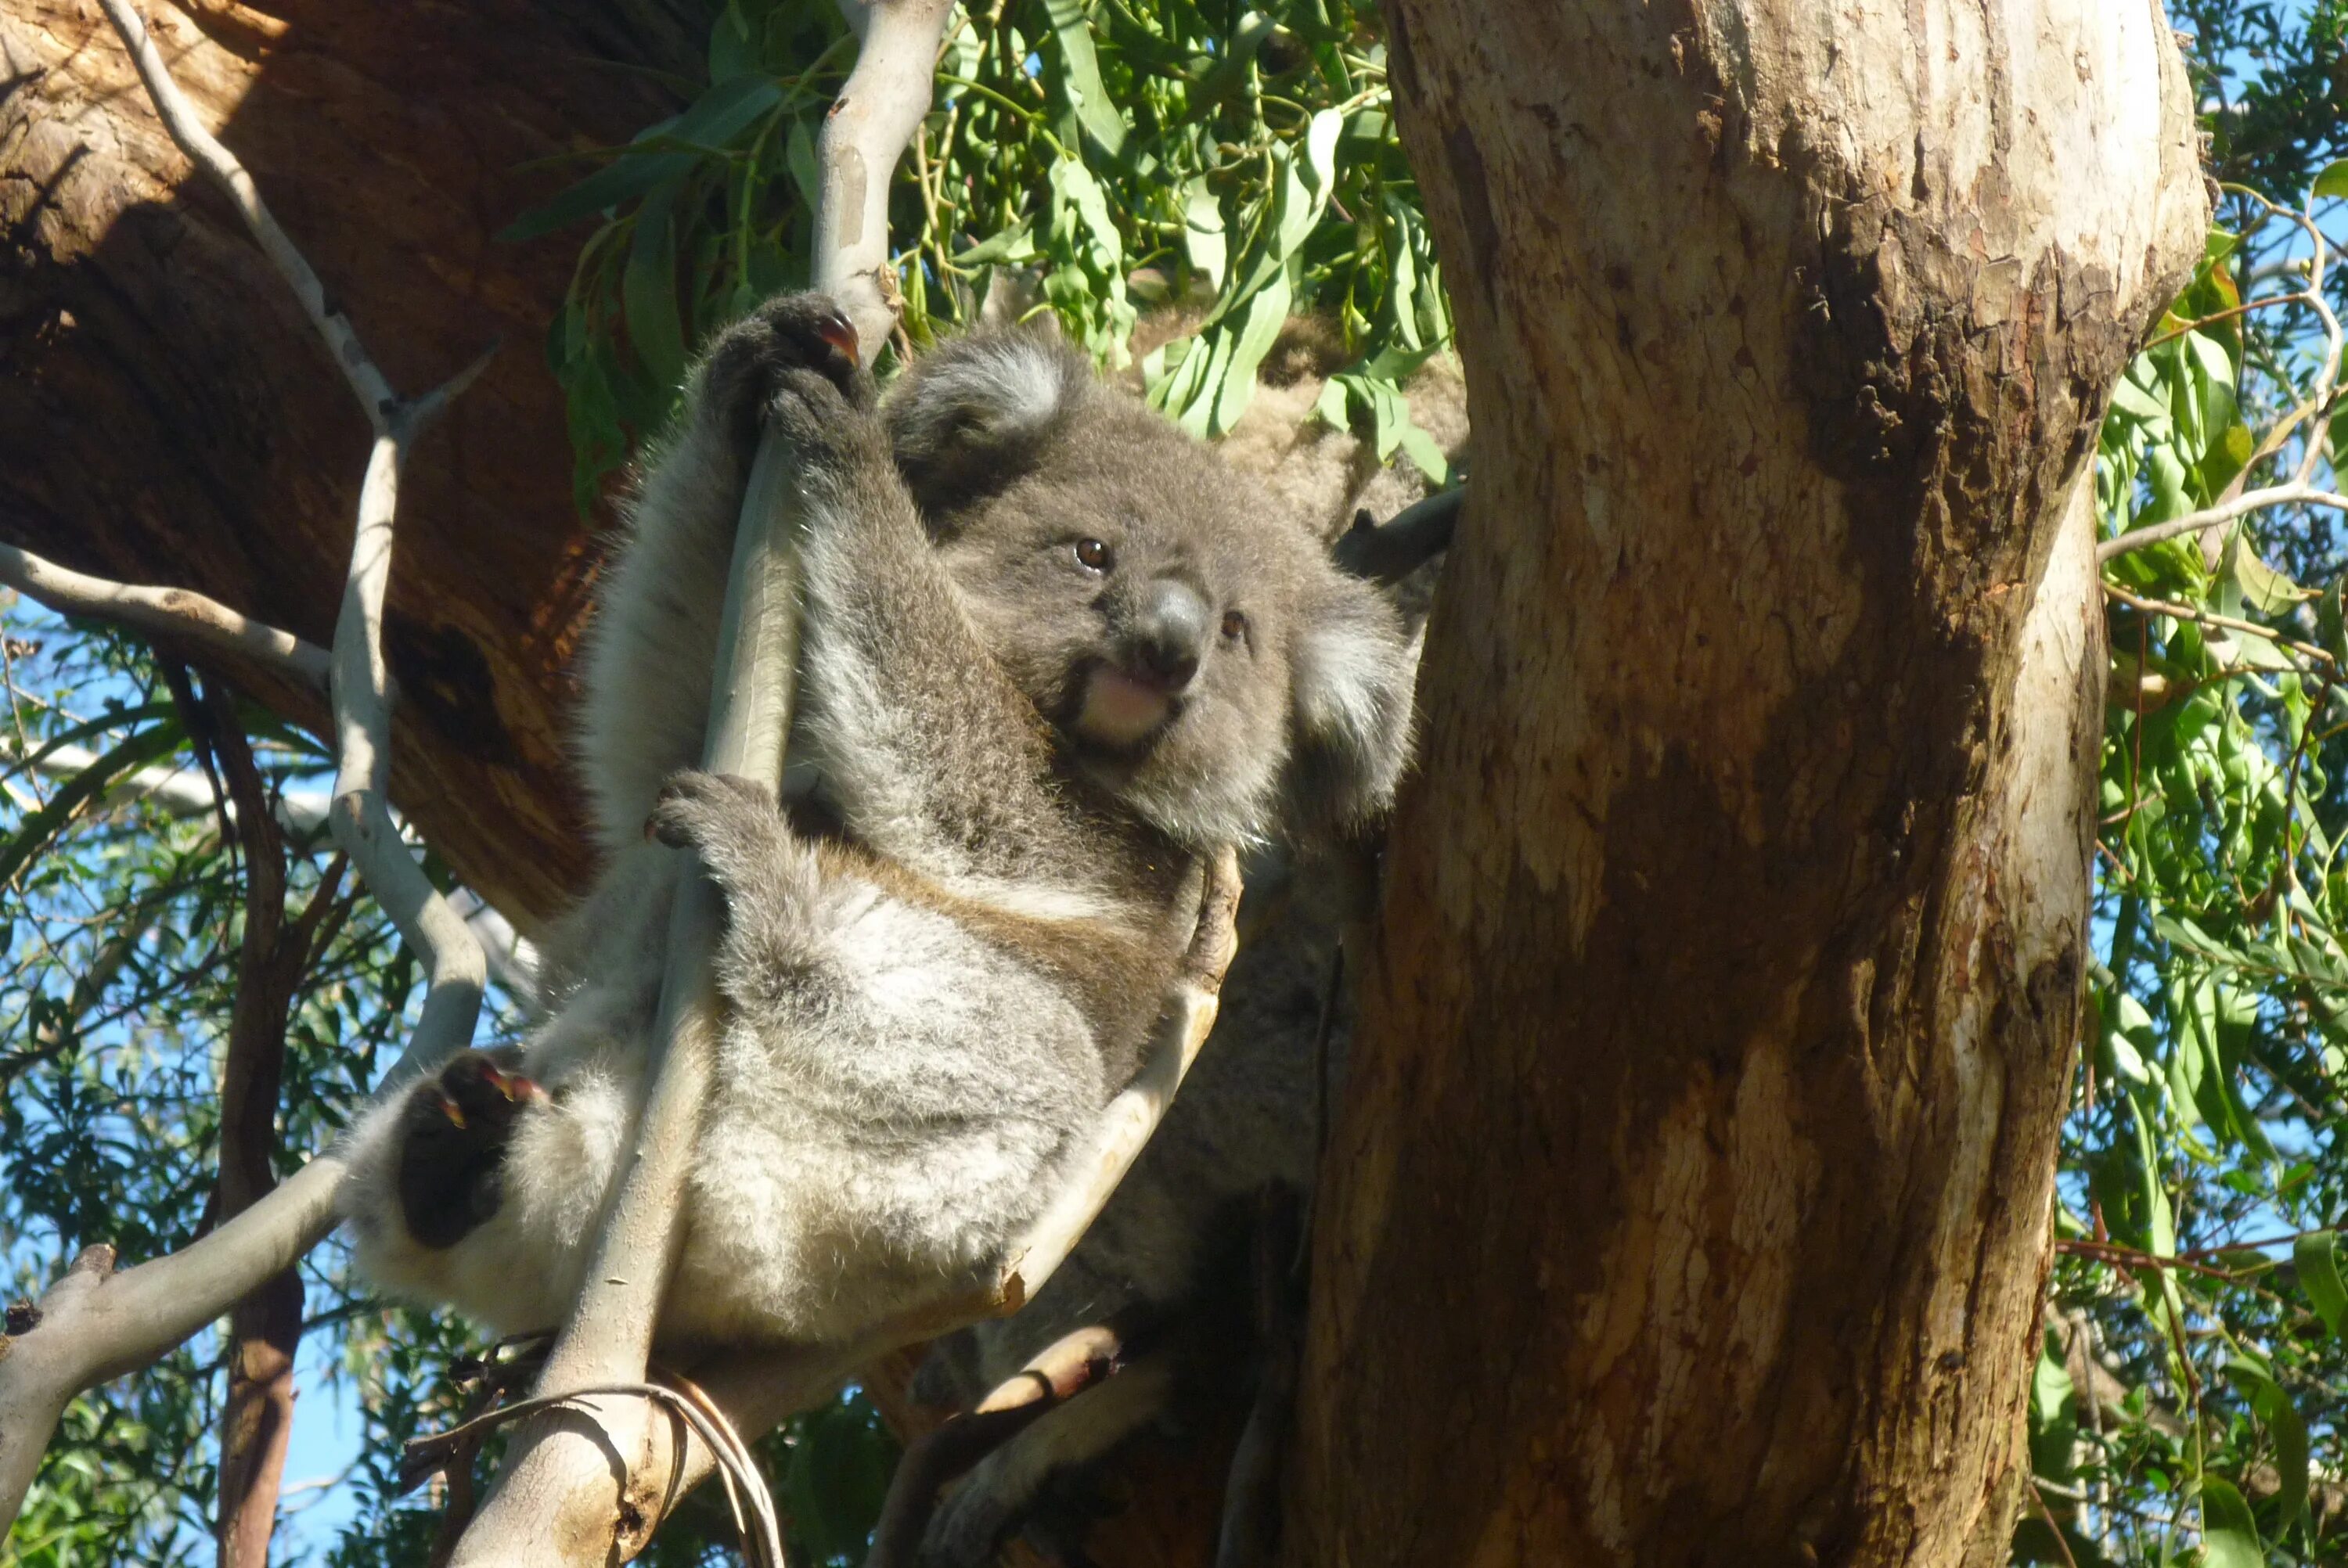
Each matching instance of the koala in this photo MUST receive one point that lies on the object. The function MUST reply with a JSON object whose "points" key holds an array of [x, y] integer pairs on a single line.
{"points": [[1169, 1252], [1052, 655]]}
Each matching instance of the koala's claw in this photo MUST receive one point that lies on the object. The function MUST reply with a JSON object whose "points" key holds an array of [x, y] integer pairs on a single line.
{"points": [[693, 808], [753, 362]]}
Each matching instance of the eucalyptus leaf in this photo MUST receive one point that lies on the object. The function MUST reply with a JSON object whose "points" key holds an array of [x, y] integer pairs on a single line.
{"points": [[1083, 82], [2229, 1535], [2315, 1257]]}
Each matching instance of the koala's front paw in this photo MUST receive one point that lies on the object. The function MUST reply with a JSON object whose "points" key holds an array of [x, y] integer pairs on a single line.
{"points": [[770, 364], [696, 810], [453, 1133], [733, 822]]}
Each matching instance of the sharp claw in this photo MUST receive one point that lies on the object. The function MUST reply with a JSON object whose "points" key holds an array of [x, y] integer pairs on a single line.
{"points": [[512, 1085], [450, 1108], [834, 327]]}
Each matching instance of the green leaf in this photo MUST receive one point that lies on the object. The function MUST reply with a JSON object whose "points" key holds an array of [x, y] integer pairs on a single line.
{"points": [[727, 109], [648, 292], [1423, 451], [2316, 1258], [732, 48], [2331, 626], [1267, 313], [89, 729], [1202, 232], [2053, 1414], [2229, 1536], [799, 156], [1333, 408], [2333, 182], [630, 176], [1009, 247], [1103, 125], [2284, 1425], [40, 827], [1231, 72]]}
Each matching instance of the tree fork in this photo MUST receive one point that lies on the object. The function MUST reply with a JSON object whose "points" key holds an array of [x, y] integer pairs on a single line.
{"points": [[1689, 1198]]}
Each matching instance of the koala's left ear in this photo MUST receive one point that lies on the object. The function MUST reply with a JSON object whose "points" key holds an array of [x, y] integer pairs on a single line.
{"points": [[973, 414], [1355, 670]]}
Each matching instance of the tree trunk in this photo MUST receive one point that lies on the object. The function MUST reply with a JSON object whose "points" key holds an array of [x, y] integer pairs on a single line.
{"points": [[1689, 1201], [167, 416]]}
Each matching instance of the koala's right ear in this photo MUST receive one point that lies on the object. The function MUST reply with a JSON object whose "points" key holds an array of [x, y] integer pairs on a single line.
{"points": [[1355, 671], [972, 415]]}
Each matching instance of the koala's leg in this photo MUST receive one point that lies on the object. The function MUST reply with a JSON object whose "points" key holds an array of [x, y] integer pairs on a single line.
{"points": [[927, 747]]}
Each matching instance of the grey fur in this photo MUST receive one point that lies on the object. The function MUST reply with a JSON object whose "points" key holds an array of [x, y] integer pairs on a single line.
{"points": [[929, 1002], [1167, 1241]]}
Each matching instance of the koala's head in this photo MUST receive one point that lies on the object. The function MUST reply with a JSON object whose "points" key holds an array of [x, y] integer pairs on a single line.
{"points": [[1200, 658]]}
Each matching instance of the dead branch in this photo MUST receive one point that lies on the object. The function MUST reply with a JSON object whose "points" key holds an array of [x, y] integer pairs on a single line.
{"points": [[94, 1325]]}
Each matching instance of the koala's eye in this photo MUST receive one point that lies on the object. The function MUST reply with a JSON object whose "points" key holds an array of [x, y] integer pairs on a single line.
{"points": [[1234, 626], [1092, 556]]}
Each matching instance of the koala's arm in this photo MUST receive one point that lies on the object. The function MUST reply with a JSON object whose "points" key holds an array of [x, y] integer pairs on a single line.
{"points": [[932, 756]]}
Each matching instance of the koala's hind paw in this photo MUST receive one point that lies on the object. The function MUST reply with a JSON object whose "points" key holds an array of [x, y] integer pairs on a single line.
{"points": [[755, 358], [453, 1133]]}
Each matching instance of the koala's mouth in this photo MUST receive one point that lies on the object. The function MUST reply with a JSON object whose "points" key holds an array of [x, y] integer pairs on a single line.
{"points": [[1121, 710]]}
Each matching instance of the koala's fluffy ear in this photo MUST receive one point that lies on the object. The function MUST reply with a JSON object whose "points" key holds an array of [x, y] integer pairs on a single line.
{"points": [[970, 417], [1355, 670]]}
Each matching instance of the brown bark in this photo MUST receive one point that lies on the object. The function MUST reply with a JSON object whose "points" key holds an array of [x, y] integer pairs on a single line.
{"points": [[1689, 1200], [167, 415]]}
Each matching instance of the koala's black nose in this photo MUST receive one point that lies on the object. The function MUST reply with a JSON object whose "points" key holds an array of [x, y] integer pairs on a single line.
{"points": [[1169, 634]]}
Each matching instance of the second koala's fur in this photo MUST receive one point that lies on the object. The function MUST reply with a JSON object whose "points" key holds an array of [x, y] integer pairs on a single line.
{"points": [[1053, 653]]}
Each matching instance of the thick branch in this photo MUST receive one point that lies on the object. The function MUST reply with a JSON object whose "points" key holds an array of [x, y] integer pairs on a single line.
{"points": [[870, 122]]}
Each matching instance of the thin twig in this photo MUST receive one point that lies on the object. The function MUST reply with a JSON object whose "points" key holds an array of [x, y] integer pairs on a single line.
{"points": [[179, 116], [2211, 618], [2298, 492], [166, 611], [2228, 314]]}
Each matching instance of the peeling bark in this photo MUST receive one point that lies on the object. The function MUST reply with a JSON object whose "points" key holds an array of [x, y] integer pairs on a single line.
{"points": [[1689, 1202]]}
